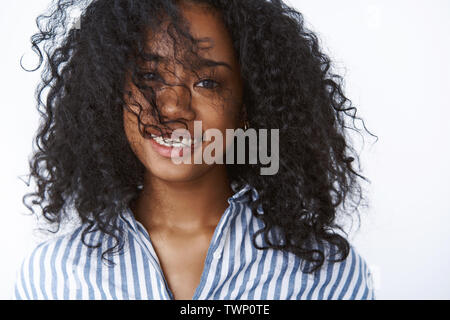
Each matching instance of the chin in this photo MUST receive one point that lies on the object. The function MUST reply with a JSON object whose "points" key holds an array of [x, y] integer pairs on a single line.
{"points": [[168, 171]]}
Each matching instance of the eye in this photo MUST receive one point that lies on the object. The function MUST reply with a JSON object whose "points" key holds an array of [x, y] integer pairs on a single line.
{"points": [[208, 84], [149, 76]]}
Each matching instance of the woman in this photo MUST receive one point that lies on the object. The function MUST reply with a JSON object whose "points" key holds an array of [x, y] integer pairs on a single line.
{"points": [[118, 88]]}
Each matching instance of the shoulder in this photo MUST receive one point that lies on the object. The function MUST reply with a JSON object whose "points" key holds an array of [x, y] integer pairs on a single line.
{"points": [[44, 262], [351, 278]]}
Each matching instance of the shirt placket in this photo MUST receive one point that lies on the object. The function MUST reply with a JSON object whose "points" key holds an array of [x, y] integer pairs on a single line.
{"points": [[153, 257], [215, 252], [145, 243]]}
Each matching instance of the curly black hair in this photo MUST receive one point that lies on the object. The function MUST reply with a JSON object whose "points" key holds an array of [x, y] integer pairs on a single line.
{"points": [[84, 161]]}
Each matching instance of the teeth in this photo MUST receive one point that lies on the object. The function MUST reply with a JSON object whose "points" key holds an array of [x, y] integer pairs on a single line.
{"points": [[186, 142]]}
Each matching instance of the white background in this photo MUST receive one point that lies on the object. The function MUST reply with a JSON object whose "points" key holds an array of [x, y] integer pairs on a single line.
{"points": [[395, 59]]}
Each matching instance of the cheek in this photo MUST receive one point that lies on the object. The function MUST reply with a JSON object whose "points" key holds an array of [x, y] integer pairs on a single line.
{"points": [[139, 145], [132, 132], [222, 121], [223, 117]]}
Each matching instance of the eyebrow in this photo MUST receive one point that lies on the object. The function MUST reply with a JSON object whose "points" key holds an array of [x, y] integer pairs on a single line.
{"points": [[203, 62], [212, 63]]}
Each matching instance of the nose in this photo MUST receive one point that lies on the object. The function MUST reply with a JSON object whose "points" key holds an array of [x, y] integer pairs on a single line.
{"points": [[174, 102]]}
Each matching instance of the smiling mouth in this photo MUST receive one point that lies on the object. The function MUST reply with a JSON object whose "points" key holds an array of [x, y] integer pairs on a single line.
{"points": [[182, 142]]}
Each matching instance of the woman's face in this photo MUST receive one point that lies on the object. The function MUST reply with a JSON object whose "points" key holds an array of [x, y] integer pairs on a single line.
{"points": [[212, 95]]}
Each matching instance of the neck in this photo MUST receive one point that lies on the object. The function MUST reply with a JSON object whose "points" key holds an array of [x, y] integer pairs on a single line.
{"points": [[186, 205]]}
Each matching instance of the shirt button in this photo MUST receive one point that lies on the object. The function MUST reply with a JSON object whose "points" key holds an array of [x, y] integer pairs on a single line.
{"points": [[217, 255]]}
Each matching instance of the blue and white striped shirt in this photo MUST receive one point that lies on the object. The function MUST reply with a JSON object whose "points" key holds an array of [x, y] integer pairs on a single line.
{"points": [[234, 269]]}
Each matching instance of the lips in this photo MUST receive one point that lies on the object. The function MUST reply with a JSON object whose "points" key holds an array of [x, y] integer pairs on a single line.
{"points": [[164, 134], [165, 151], [168, 134], [181, 142]]}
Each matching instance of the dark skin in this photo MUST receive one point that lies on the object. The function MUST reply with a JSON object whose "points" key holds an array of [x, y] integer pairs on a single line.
{"points": [[181, 205]]}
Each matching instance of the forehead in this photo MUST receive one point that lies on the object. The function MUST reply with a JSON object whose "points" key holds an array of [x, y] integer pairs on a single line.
{"points": [[205, 24]]}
